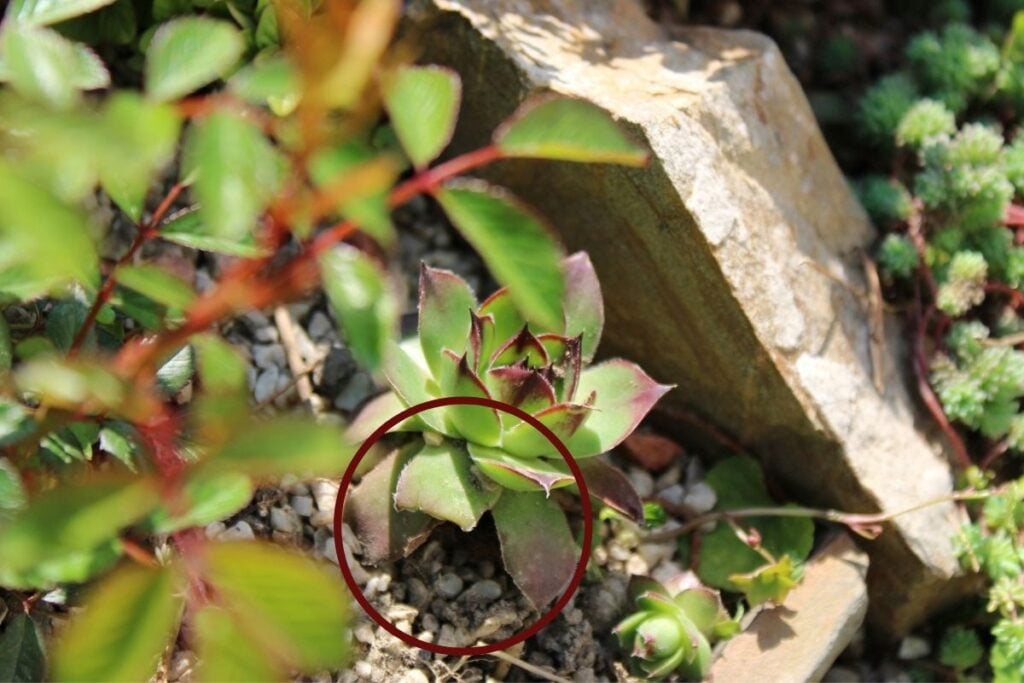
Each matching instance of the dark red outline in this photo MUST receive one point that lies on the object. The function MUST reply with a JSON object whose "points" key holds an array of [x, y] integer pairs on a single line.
{"points": [[556, 609]]}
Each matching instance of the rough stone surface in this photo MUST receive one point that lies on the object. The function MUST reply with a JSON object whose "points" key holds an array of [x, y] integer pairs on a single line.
{"points": [[799, 642], [713, 258]]}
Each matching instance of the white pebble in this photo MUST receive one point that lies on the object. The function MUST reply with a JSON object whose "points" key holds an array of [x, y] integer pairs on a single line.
{"points": [[267, 355], [363, 669], [914, 647], [214, 530], [700, 497], [655, 553], [241, 531], [636, 566], [285, 520], [319, 326], [302, 505], [266, 384], [673, 495], [642, 481], [414, 676]]}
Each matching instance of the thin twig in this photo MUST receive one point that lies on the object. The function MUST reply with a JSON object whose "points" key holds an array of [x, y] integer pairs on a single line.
{"points": [[286, 328], [529, 668]]}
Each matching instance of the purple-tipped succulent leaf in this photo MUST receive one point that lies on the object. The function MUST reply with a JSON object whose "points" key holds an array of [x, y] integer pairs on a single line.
{"points": [[572, 366], [444, 314], [583, 305], [521, 387], [524, 346], [563, 419], [531, 527], [611, 487], [386, 533], [477, 424], [624, 394], [520, 474], [482, 340], [507, 319], [439, 480]]}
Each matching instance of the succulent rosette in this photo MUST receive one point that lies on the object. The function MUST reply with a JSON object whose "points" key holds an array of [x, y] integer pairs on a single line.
{"points": [[467, 459], [673, 634]]}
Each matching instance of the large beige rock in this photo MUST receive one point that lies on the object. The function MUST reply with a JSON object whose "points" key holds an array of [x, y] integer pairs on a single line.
{"points": [[707, 255]]}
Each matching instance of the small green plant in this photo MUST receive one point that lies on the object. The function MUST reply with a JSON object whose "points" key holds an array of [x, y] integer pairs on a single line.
{"points": [[468, 460], [673, 634]]}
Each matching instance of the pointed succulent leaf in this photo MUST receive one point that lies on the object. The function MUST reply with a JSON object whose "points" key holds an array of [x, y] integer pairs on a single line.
{"points": [[517, 247], [567, 130], [423, 104], [698, 666], [407, 373], [703, 607], [378, 411], [659, 637], [610, 486], [478, 424], [564, 419], [186, 228], [555, 345], [439, 480], [624, 394], [126, 623], [520, 387], [520, 474], [444, 314], [532, 526], [386, 533], [522, 347], [481, 340], [641, 585], [572, 367], [583, 305], [507, 319], [364, 301]]}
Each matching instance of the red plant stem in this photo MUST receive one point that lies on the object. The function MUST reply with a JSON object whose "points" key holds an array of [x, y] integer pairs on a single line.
{"points": [[994, 453], [1016, 296], [248, 287], [1014, 216], [146, 231]]}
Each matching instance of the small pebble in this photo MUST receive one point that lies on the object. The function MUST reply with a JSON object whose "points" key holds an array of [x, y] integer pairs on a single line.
{"points": [[636, 566], [430, 622], [700, 497], [267, 335], [303, 505], [401, 612], [241, 531], [669, 477], [642, 481], [355, 392], [617, 552], [417, 592], [449, 585], [267, 355], [840, 674], [363, 669], [214, 530], [673, 495], [364, 633], [377, 584], [655, 553], [319, 326], [266, 384], [414, 676], [483, 591], [914, 647], [486, 569], [285, 520]]}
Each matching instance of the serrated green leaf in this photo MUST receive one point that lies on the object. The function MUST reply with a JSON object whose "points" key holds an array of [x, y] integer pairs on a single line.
{"points": [[221, 368], [157, 284], [63, 322], [423, 103], [226, 653], [285, 445], [237, 172], [186, 54], [568, 130], [12, 492], [365, 303], [118, 439], [187, 229], [15, 422], [45, 239], [274, 78], [21, 651], [73, 517], [82, 385], [45, 66], [515, 245], [295, 608], [126, 623], [364, 177], [209, 497], [77, 566], [41, 12], [6, 349], [176, 372]]}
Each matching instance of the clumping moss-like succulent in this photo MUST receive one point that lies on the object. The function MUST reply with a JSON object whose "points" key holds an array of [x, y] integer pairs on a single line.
{"points": [[466, 460], [924, 121], [884, 199], [955, 64], [673, 634], [882, 107], [898, 255]]}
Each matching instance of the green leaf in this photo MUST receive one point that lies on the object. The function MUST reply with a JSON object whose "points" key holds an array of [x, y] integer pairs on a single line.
{"points": [[439, 481], [15, 422], [80, 385], [187, 229], [221, 368], [365, 303], [478, 424], [362, 177], [73, 517], [520, 474], [226, 652], [568, 130], [12, 492], [117, 438], [423, 103], [21, 651], [768, 584], [536, 544], [738, 482], [445, 305], [64, 321], [41, 12], [237, 173], [157, 284], [186, 54], [295, 608], [43, 65], [126, 623], [274, 79], [1013, 46], [407, 372], [6, 349], [209, 497], [176, 372], [285, 445], [77, 566], [515, 245], [46, 240]]}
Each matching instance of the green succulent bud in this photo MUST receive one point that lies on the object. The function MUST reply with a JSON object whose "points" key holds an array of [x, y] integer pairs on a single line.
{"points": [[883, 105], [898, 255], [923, 122], [1013, 163], [467, 460], [962, 399], [884, 199], [955, 64], [965, 283], [673, 634]]}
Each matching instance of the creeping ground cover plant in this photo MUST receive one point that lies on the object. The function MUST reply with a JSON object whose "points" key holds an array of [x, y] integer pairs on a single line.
{"points": [[465, 460], [126, 423]]}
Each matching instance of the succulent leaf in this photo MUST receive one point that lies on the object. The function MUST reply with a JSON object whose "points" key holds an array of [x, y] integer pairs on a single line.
{"points": [[520, 387], [439, 481], [407, 372], [704, 608], [609, 485], [385, 532], [520, 474], [624, 395], [522, 347], [477, 424], [507, 320], [378, 411], [564, 419], [531, 526], [444, 314], [584, 306]]}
